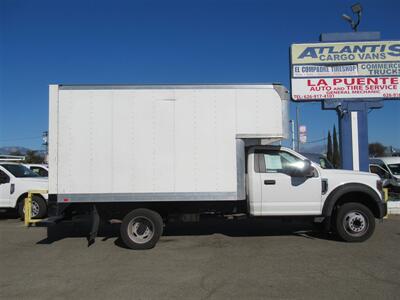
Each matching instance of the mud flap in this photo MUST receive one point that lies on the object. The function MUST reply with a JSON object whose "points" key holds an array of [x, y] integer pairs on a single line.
{"points": [[94, 227], [327, 224]]}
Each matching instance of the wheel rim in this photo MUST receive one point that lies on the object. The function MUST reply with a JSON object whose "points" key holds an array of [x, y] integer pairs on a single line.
{"points": [[141, 230], [35, 208], [355, 223]]}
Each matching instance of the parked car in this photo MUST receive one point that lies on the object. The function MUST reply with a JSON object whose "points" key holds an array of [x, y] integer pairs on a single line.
{"points": [[388, 168], [40, 169], [15, 182], [320, 159]]}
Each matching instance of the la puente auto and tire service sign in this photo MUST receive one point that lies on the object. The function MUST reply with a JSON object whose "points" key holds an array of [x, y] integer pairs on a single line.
{"points": [[345, 70]]}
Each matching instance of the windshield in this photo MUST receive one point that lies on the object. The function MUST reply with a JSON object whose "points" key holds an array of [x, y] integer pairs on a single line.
{"points": [[395, 168], [19, 170]]}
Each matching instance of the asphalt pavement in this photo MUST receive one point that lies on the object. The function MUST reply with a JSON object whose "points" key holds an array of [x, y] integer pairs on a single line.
{"points": [[215, 259]]}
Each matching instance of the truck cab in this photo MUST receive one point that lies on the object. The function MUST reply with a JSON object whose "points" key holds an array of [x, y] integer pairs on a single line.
{"points": [[15, 182], [281, 182]]}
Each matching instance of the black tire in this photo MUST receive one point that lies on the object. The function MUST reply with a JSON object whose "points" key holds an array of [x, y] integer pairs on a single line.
{"points": [[354, 222], [141, 229], [40, 208]]}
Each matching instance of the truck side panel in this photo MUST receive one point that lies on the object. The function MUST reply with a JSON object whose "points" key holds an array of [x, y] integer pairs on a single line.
{"points": [[155, 144]]}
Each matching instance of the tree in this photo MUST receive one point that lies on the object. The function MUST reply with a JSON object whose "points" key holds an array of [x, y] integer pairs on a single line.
{"points": [[329, 147], [16, 153], [336, 151], [376, 149], [32, 157]]}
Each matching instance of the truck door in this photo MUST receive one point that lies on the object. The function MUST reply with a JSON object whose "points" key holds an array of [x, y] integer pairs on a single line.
{"points": [[283, 194], [4, 189]]}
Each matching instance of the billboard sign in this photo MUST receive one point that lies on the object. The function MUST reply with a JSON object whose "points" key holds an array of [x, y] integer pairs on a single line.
{"points": [[345, 70]]}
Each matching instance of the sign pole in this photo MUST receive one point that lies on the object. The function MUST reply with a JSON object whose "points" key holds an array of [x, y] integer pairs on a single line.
{"points": [[353, 114], [353, 131]]}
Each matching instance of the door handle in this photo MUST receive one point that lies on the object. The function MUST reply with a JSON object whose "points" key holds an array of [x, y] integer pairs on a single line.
{"points": [[269, 182]]}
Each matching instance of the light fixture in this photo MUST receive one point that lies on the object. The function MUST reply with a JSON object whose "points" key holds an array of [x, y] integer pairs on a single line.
{"points": [[356, 9]]}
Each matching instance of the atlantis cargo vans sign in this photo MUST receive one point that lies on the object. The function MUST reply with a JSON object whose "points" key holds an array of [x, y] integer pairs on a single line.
{"points": [[345, 70]]}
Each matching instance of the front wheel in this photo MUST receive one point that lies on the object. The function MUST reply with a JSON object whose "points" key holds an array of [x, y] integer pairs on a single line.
{"points": [[141, 229], [354, 222], [39, 208]]}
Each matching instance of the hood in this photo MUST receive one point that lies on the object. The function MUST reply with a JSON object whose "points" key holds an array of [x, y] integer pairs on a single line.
{"points": [[348, 172], [43, 180]]}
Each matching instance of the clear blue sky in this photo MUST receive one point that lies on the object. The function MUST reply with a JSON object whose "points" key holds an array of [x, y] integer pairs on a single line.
{"points": [[204, 41]]}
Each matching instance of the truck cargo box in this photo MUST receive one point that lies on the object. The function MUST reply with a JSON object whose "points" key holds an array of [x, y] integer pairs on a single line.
{"points": [[158, 143]]}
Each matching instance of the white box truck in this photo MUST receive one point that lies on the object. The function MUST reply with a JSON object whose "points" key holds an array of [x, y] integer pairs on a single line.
{"points": [[145, 154]]}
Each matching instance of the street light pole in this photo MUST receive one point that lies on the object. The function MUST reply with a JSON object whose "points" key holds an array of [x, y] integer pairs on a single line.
{"points": [[357, 10]]}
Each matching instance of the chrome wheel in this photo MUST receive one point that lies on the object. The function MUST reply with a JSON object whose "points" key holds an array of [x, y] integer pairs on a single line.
{"points": [[34, 209], [141, 230], [355, 223]]}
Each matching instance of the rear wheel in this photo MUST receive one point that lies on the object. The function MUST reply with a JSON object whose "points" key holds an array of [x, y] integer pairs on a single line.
{"points": [[354, 222], [141, 229]]}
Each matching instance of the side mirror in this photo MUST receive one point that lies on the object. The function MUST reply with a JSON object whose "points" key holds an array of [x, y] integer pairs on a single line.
{"points": [[301, 169]]}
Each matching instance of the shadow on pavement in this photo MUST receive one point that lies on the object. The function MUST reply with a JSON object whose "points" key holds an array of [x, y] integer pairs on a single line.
{"points": [[6, 214], [231, 228], [78, 229]]}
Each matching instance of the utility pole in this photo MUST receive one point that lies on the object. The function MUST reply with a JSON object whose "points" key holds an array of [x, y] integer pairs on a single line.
{"points": [[45, 143], [45, 139]]}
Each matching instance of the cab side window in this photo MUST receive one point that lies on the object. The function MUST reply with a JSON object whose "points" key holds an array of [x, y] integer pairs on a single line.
{"points": [[382, 165], [322, 163], [278, 162], [40, 171], [4, 178], [378, 170]]}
